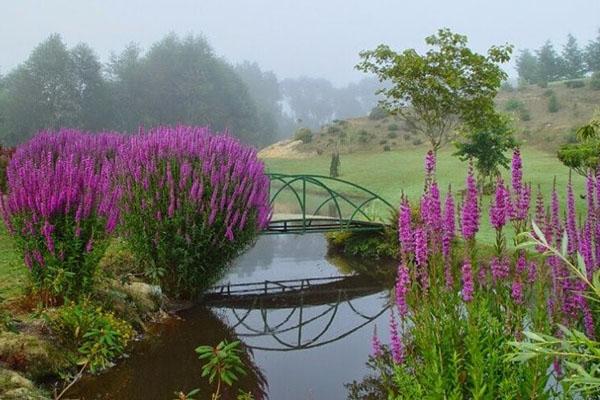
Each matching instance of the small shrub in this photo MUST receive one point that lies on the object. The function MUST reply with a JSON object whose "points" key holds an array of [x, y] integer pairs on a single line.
{"points": [[407, 136], [387, 147], [378, 113], [191, 202], [98, 336], [417, 141], [543, 84], [392, 135], [524, 114], [61, 208], [303, 134], [548, 92], [575, 84], [595, 81], [333, 129], [513, 105], [383, 141], [553, 105], [393, 127], [363, 136]]}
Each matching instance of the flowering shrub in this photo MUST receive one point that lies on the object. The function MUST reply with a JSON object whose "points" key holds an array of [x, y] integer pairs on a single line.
{"points": [[459, 304], [61, 206], [191, 201]]}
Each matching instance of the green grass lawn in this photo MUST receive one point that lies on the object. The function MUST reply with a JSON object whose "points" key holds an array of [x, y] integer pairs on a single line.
{"points": [[12, 270], [391, 173]]}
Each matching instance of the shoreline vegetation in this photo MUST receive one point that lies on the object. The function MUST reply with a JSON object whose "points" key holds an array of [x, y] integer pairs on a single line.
{"points": [[82, 275]]}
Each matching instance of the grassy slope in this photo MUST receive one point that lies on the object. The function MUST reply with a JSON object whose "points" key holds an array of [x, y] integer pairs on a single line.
{"points": [[390, 173], [544, 130]]}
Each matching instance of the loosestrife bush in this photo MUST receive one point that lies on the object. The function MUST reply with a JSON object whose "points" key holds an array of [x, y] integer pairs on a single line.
{"points": [[60, 206], [191, 201], [459, 304]]}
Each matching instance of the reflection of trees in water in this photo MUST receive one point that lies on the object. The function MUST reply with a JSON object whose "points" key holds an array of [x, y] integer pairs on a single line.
{"points": [[167, 363], [268, 249]]}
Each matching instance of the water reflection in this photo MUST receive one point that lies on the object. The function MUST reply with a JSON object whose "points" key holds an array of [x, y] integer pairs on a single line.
{"points": [[304, 336]]}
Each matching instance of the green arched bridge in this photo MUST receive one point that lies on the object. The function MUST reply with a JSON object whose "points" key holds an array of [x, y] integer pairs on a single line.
{"points": [[317, 203]]}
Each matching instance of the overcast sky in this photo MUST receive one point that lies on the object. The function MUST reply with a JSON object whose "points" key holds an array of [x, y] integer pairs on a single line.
{"points": [[319, 38]]}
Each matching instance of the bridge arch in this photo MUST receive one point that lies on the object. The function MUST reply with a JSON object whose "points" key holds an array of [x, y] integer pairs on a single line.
{"points": [[318, 203]]}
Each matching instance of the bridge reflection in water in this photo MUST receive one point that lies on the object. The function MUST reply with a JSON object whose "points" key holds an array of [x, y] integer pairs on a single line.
{"points": [[295, 314]]}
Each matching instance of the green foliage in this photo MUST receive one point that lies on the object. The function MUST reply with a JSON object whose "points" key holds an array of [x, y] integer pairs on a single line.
{"points": [[573, 66], [584, 155], [553, 105], [580, 354], [335, 165], [513, 105], [527, 67], [387, 148], [303, 134], [549, 64], [459, 353], [524, 114], [575, 84], [222, 364], [365, 244], [393, 127], [378, 113], [447, 85], [592, 54], [487, 147], [97, 335]]}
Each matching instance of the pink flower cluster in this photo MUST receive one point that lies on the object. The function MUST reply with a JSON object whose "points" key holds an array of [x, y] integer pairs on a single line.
{"points": [[427, 240], [191, 167], [61, 199]]}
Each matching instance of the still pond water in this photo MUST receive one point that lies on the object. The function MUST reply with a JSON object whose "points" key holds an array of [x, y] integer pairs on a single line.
{"points": [[296, 346]]}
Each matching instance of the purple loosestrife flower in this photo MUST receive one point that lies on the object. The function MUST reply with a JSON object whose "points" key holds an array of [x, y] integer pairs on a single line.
{"points": [[421, 255], [517, 172], [430, 163], [586, 249], [405, 232], [500, 268], [517, 292], [448, 233], [572, 235], [557, 229], [521, 264], [532, 272], [499, 209], [402, 287], [61, 192], [396, 341], [467, 281], [376, 349], [470, 208]]}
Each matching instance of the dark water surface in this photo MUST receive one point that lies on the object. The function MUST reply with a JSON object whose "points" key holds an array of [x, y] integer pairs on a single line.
{"points": [[300, 345]]}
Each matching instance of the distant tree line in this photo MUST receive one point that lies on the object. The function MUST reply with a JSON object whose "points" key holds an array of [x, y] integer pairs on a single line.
{"points": [[547, 64], [178, 80]]}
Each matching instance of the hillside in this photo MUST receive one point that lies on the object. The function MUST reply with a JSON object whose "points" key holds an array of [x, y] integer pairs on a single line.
{"points": [[535, 125]]}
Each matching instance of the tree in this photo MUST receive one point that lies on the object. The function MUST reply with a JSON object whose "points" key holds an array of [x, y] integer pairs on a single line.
{"points": [[41, 92], [583, 156], [310, 99], [573, 65], [91, 90], [487, 146], [550, 64], [437, 91], [527, 67], [592, 54]]}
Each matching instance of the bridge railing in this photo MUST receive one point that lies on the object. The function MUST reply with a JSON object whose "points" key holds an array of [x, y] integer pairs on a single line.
{"points": [[318, 203]]}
